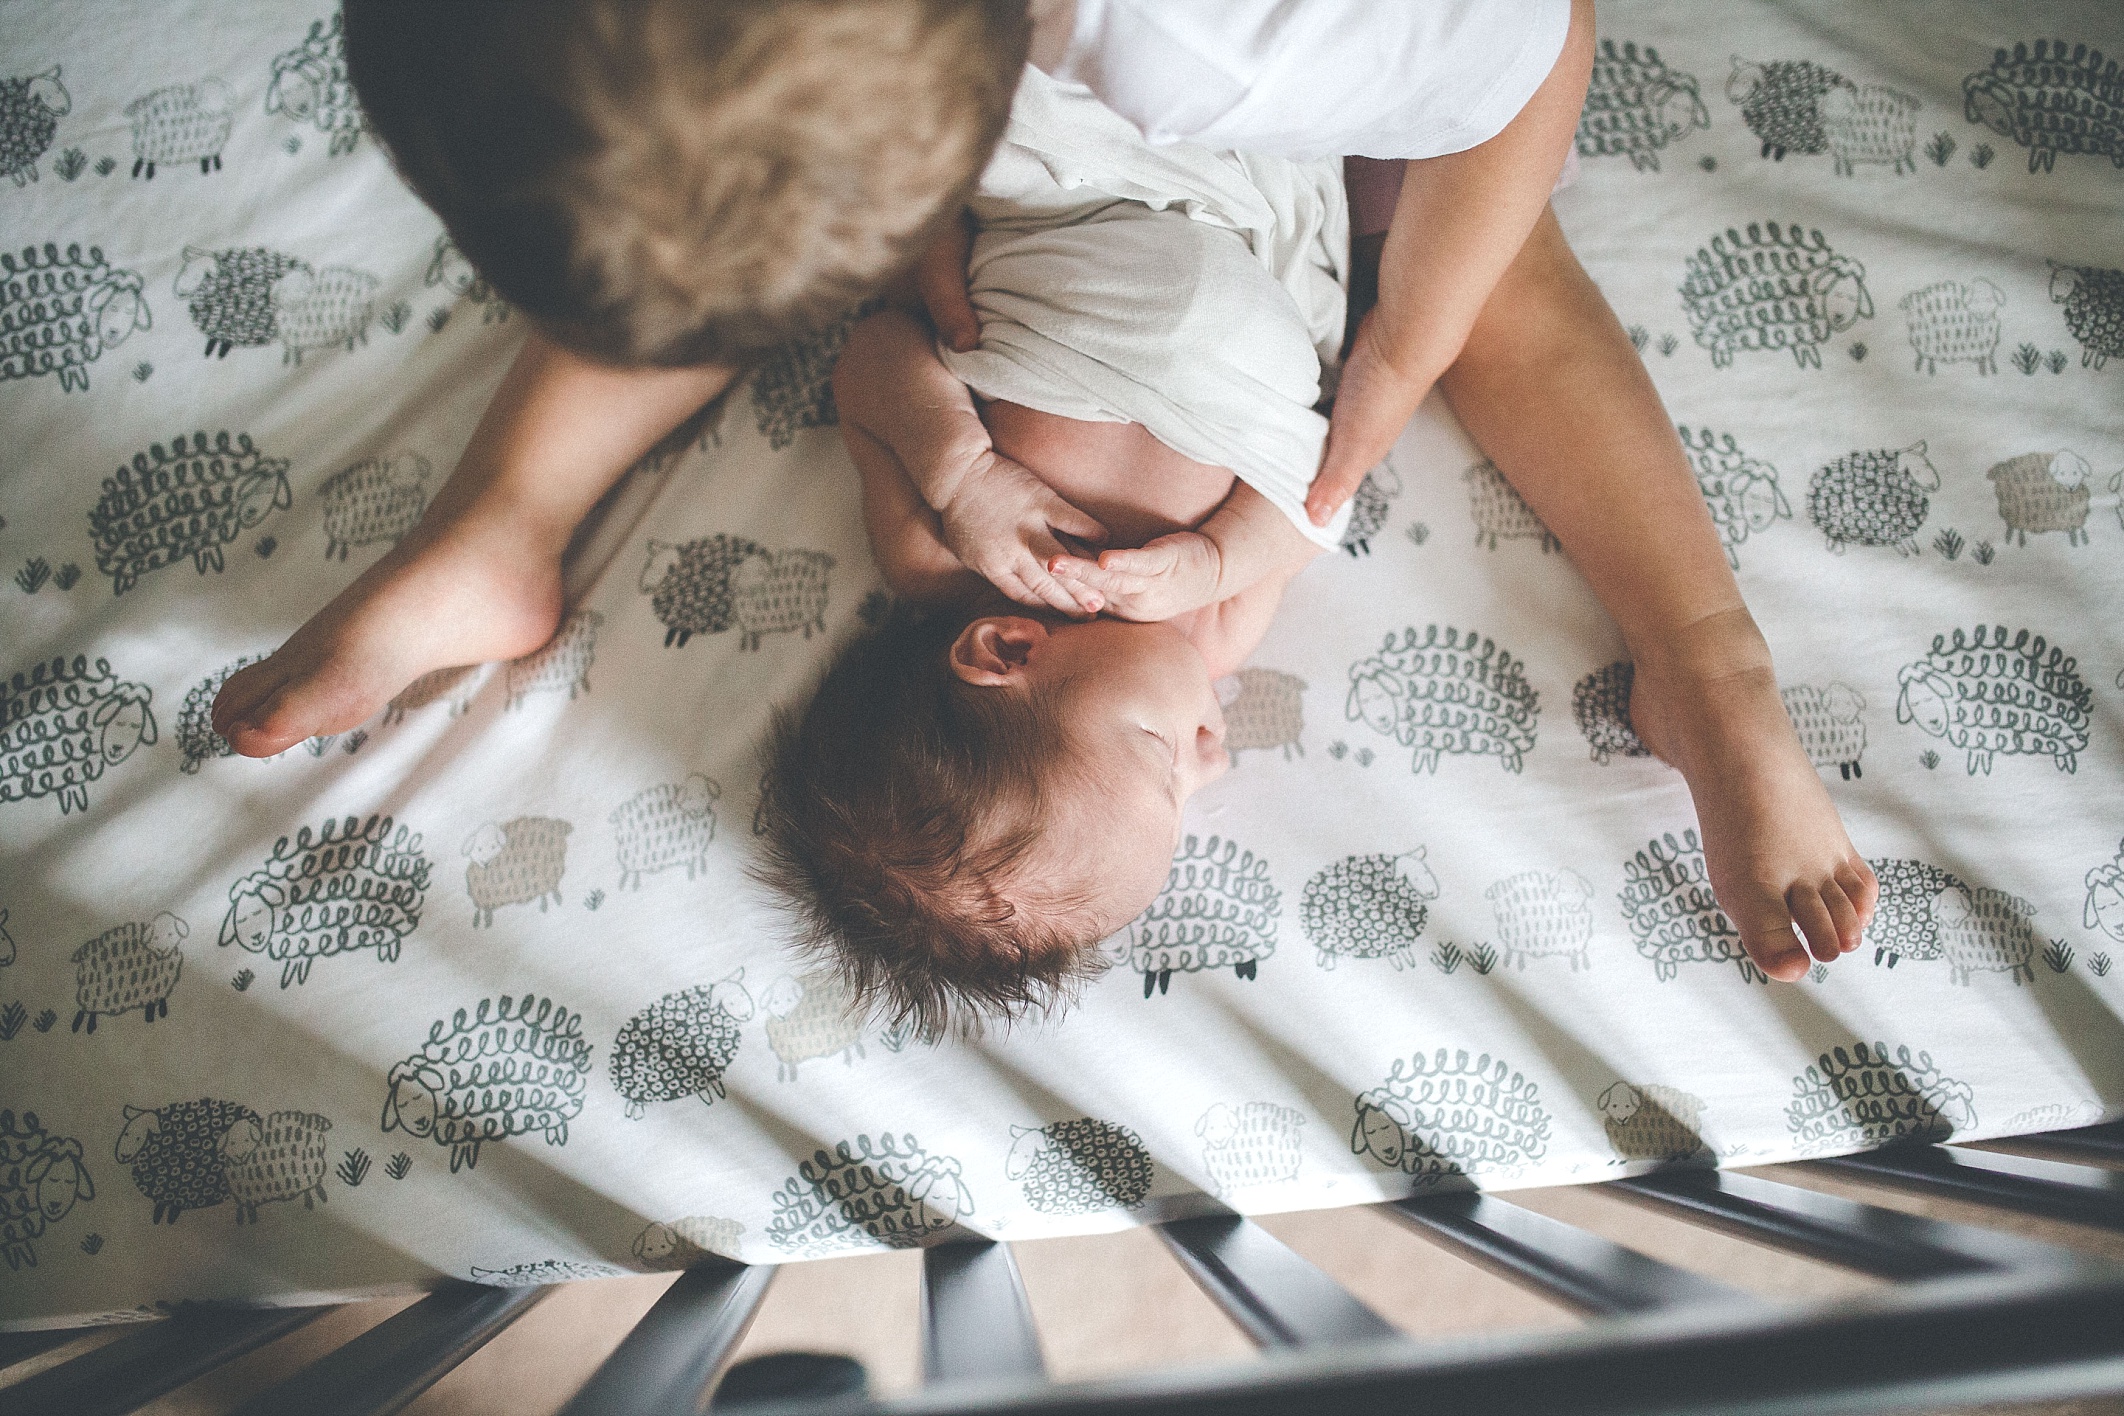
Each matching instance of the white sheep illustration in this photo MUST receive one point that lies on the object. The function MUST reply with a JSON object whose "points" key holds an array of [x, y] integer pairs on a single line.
{"points": [[31, 106], [887, 1191], [1991, 690], [1868, 1096], [1985, 930], [457, 686], [449, 269], [136, 965], [1636, 105], [508, 1068], [63, 724], [1772, 287], [310, 85], [2044, 491], [377, 499], [181, 123], [1446, 1115], [561, 663], [278, 1157], [772, 594], [1368, 508], [1742, 492], [42, 1178], [60, 310], [1954, 322], [668, 824], [515, 863], [1543, 915], [1868, 123], [1829, 723], [1500, 513], [321, 309], [1253, 1144], [810, 1016], [683, 1243], [350, 884], [2105, 898], [1219, 908]]}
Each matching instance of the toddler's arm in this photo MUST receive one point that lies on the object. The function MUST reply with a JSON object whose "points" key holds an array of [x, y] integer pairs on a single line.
{"points": [[1243, 543], [994, 516]]}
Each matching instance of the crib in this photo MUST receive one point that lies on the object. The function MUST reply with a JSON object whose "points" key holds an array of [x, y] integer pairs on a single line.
{"points": [[1973, 1314]]}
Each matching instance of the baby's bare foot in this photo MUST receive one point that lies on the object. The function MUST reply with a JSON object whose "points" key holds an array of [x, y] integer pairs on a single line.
{"points": [[456, 597], [1774, 846]]}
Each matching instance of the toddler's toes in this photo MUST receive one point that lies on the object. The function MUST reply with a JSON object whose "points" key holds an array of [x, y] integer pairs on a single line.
{"points": [[1770, 942]]}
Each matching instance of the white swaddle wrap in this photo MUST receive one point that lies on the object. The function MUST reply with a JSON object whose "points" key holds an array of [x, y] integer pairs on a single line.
{"points": [[1198, 293]]}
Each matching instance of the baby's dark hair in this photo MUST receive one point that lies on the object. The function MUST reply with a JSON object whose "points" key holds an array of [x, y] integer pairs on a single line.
{"points": [[901, 809], [679, 182]]}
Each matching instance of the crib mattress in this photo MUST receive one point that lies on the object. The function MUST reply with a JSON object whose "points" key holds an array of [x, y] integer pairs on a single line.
{"points": [[481, 989]]}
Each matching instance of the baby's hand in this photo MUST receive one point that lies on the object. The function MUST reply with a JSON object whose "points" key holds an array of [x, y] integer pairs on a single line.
{"points": [[1170, 576], [1003, 524]]}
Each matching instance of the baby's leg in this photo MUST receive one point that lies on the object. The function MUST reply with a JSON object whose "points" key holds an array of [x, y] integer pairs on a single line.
{"points": [[1550, 387], [479, 577]]}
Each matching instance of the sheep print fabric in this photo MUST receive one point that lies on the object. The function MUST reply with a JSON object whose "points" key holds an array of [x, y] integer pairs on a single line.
{"points": [[480, 989]]}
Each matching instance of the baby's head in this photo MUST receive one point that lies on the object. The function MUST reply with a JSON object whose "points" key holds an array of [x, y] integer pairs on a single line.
{"points": [[968, 806], [687, 181]]}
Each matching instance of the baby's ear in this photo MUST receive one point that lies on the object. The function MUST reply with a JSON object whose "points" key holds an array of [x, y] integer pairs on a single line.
{"points": [[995, 649]]}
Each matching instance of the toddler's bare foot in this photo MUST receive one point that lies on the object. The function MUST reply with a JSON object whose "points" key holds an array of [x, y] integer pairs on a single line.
{"points": [[1774, 845], [455, 596]]}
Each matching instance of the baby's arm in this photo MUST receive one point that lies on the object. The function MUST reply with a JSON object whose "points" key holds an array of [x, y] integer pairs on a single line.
{"points": [[993, 516], [1244, 542]]}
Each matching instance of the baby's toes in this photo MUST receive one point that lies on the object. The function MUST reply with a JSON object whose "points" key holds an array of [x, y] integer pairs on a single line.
{"points": [[1815, 909], [1860, 886], [1766, 933]]}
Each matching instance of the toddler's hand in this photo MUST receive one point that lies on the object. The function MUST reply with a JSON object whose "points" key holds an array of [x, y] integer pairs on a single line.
{"points": [[1004, 524], [1168, 577]]}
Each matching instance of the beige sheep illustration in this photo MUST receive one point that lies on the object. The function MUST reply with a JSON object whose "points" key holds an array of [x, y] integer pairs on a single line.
{"points": [[810, 1016], [274, 1158]]}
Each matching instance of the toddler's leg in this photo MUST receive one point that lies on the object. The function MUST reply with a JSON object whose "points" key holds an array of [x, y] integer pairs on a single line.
{"points": [[479, 577], [1550, 387]]}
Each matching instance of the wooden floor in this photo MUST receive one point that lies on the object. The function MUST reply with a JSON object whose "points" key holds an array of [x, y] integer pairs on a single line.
{"points": [[1104, 1306]]}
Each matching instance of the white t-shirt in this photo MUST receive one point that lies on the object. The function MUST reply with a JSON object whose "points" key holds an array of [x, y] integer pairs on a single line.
{"points": [[1308, 79]]}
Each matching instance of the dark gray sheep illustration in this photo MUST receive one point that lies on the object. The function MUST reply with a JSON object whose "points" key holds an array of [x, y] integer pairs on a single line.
{"points": [[310, 85], [1985, 931], [1781, 102], [1674, 917], [1264, 709], [1079, 1167], [2104, 909], [1874, 497], [680, 1045], [2093, 298], [668, 824], [1652, 1122], [31, 106], [1368, 907], [1446, 692], [1772, 287], [542, 1273], [377, 499], [774, 594], [457, 686], [1864, 1097], [64, 724], [689, 584], [42, 1178], [509, 1068], [866, 1193], [1636, 105], [188, 499], [281, 1157], [133, 966], [1987, 693], [1954, 322], [181, 123], [60, 311], [1500, 513], [515, 863], [175, 1153], [1741, 491], [793, 388], [1250, 1145], [1869, 123], [229, 294], [1544, 915], [1904, 926], [1830, 725], [1218, 908], [1445, 1115], [561, 663], [1600, 705], [1368, 508], [683, 1243], [2044, 491], [449, 269], [2050, 101], [7, 941], [196, 737], [351, 884], [811, 1015]]}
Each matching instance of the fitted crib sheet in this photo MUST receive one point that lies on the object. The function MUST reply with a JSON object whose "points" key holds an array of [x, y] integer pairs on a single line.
{"points": [[481, 989]]}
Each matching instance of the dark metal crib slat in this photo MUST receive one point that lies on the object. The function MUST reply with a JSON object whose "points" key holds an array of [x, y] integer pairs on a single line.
{"points": [[1883, 1242], [1278, 1298], [1561, 1261], [666, 1364], [382, 1370], [126, 1374], [2082, 1194], [975, 1319]]}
